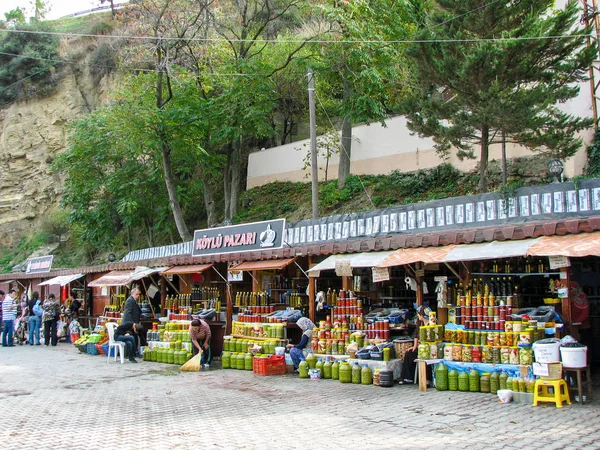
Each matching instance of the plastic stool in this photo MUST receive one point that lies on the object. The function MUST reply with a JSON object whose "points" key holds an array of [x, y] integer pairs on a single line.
{"points": [[560, 392], [588, 380]]}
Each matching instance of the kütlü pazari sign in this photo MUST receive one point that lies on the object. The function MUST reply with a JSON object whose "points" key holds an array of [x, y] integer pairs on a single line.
{"points": [[246, 237]]}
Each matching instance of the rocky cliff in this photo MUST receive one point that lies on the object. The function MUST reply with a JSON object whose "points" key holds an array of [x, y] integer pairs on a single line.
{"points": [[32, 132]]}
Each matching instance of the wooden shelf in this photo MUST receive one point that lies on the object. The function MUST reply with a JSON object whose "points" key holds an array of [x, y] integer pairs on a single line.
{"points": [[514, 274], [239, 336]]}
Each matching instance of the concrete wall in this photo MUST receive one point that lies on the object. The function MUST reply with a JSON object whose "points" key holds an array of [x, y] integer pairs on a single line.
{"points": [[381, 150]]}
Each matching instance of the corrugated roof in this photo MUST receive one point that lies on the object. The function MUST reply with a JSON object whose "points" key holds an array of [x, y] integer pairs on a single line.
{"points": [[262, 265]]}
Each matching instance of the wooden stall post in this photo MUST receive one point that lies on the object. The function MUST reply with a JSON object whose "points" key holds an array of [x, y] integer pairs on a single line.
{"points": [[347, 284], [419, 280], [163, 295], [566, 305], [312, 288], [229, 308]]}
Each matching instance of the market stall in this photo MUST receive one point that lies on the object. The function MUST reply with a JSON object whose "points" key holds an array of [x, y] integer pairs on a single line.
{"points": [[196, 291], [269, 292]]}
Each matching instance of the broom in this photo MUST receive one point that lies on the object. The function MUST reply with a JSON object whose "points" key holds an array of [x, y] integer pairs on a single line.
{"points": [[193, 365]]}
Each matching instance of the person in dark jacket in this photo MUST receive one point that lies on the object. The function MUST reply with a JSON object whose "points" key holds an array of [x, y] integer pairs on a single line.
{"points": [[132, 311], [128, 333], [409, 364], [299, 351]]}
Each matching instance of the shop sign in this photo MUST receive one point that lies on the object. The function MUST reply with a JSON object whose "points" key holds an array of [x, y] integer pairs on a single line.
{"points": [[343, 268], [563, 292], [432, 267], [246, 237], [556, 262], [420, 272], [237, 275], [381, 274], [39, 265]]}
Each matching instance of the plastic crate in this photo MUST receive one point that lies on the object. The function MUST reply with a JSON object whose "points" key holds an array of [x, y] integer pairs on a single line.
{"points": [[273, 365], [91, 349]]}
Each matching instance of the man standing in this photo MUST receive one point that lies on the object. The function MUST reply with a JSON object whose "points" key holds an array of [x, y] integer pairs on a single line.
{"points": [[132, 312], [9, 313]]}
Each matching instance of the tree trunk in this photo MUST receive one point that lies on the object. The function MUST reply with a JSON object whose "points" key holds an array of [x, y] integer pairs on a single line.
{"points": [[236, 177], [483, 160], [227, 184], [209, 199], [182, 228], [346, 147]]}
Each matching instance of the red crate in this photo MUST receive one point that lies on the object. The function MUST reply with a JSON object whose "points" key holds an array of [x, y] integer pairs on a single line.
{"points": [[273, 365]]}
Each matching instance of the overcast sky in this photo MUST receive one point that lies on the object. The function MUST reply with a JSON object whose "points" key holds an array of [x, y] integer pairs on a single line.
{"points": [[58, 8]]}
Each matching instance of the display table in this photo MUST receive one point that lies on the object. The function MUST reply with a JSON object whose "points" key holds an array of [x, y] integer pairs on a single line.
{"points": [[395, 365], [512, 370]]}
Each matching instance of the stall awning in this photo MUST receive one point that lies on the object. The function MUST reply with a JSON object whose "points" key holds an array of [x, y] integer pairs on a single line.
{"points": [[142, 272], [114, 278], [180, 270], [62, 280], [427, 255], [489, 250], [274, 264], [571, 245], [366, 259]]}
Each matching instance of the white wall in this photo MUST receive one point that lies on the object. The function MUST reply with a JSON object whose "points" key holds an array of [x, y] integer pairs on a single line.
{"points": [[381, 150]]}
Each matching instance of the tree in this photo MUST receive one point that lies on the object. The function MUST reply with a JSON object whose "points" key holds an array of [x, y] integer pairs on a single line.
{"points": [[28, 61], [500, 70], [15, 17], [40, 9], [171, 23], [365, 72], [112, 7], [250, 100]]}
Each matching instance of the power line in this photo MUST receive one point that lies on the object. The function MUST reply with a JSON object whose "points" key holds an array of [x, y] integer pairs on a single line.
{"points": [[315, 41]]}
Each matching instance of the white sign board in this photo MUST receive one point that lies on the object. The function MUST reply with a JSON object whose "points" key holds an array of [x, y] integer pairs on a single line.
{"points": [[540, 369], [556, 262], [563, 292], [343, 268], [381, 274]]}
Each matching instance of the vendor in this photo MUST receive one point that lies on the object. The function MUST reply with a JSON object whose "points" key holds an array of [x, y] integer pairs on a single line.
{"points": [[128, 333], [200, 337], [299, 351], [409, 364]]}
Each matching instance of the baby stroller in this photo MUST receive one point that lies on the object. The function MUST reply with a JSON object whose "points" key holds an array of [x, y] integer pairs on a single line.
{"points": [[21, 329]]}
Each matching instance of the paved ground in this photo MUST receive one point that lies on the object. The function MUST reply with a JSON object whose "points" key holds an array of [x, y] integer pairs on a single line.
{"points": [[57, 398]]}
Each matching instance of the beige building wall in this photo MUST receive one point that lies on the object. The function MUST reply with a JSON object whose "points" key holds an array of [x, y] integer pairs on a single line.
{"points": [[381, 150]]}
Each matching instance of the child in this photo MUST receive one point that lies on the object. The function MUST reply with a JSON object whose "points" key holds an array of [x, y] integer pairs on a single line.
{"points": [[74, 329]]}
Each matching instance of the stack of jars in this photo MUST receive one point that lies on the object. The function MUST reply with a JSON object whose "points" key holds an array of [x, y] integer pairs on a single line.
{"points": [[240, 345], [258, 330]]}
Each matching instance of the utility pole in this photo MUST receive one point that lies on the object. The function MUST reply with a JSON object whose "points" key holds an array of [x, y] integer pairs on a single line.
{"points": [[313, 145]]}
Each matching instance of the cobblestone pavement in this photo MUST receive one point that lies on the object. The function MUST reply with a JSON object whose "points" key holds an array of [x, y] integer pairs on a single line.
{"points": [[57, 398]]}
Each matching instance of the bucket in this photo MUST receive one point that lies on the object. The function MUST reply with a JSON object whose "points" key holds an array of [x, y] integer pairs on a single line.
{"points": [[280, 351], [547, 351], [574, 357]]}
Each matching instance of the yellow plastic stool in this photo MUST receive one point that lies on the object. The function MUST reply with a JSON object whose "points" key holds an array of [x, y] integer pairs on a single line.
{"points": [[559, 394]]}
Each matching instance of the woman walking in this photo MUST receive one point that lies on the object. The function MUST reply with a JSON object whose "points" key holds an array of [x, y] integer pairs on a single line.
{"points": [[50, 317], [35, 318]]}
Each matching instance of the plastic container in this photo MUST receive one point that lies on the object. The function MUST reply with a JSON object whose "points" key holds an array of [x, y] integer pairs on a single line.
{"points": [[279, 351], [386, 378], [505, 395], [303, 369], [547, 351], [574, 357], [356, 373]]}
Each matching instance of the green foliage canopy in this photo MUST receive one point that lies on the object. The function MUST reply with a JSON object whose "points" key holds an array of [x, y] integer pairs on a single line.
{"points": [[487, 73]]}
